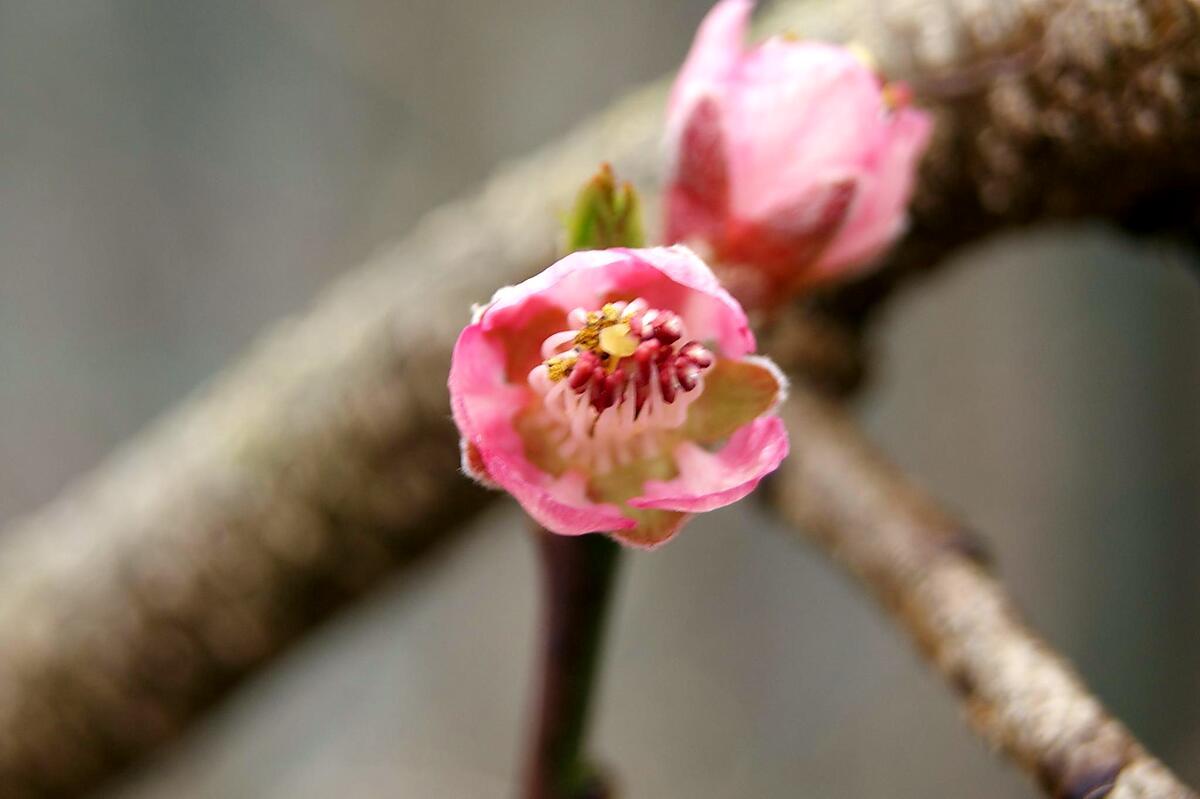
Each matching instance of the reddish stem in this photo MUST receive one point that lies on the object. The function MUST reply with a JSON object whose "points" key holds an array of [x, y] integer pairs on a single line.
{"points": [[577, 579]]}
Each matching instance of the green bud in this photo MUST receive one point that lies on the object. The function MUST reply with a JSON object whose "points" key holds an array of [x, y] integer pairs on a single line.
{"points": [[605, 215]]}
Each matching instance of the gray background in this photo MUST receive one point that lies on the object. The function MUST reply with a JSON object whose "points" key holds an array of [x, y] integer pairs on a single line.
{"points": [[173, 176]]}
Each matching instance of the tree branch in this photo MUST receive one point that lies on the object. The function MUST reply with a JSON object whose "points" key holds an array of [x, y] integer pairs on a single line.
{"points": [[325, 459], [929, 573]]}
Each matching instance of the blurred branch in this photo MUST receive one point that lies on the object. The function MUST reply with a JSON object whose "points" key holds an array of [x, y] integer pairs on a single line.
{"points": [[325, 459], [929, 573]]}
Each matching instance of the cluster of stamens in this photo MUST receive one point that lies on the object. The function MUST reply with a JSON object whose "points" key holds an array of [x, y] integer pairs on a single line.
{"points": [[618, 378]]}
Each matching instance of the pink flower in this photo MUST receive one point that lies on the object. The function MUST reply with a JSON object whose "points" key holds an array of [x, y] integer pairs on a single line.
{"points": [[616, 392], [791, 160]]}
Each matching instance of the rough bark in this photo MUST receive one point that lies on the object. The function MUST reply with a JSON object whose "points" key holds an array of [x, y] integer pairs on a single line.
{"points": [[929, 572], [325, 459]]}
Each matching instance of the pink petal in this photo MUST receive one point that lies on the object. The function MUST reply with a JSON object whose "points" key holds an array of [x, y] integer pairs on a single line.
{"points": [[793, 235], [560, 504], [794, 111], [698, 196], [484, 405], [482, 401], [712, 480], [667, 277], [710, 312], [711, 61], [473, 465], [880, 215], [569, 283]]}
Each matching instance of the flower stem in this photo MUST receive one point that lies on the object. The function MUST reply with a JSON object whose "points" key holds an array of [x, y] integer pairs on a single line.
{"points": [[577, 577]]}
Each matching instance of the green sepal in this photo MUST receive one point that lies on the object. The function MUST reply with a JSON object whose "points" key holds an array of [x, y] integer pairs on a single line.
{"points": [[605, 215], [626, 482], [735, 393]]}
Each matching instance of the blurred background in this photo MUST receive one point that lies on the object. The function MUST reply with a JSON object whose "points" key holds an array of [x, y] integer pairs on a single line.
{"points": [[174, 176]]}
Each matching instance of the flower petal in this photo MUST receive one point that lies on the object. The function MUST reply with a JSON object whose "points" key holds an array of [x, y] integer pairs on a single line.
{"points": [[484, 406], [482, 401], [473, 465], [560, 504], [697, 199], [714, 56], [735, 393], [667, 277], [797, 110], [707, 481], [876, 221], [792, 236], [709, 311], [569, 283]]}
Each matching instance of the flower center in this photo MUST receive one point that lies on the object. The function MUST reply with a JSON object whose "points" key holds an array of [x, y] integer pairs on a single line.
{"points": [[617, 380]]}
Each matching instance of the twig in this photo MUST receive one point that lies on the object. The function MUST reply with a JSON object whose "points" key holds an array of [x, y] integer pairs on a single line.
{"points": [[929, 573], [577, 579]]}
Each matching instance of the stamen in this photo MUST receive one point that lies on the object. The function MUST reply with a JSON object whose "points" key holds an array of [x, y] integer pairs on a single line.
{"points": [[618, 380], [560, 365], [555, 343], [583, 371]]}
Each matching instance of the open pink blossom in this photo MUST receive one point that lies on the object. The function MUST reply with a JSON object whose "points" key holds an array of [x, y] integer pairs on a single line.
{"points": [[616, 392], [792, 162]]}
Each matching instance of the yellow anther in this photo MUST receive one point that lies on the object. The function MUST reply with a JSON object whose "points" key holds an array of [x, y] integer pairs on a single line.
{"points": [[617, 341], [559, 365], [588, 338]]}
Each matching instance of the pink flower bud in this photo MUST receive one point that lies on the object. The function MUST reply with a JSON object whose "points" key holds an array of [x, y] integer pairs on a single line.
{"points": [[612, 431], [793, 163]]}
